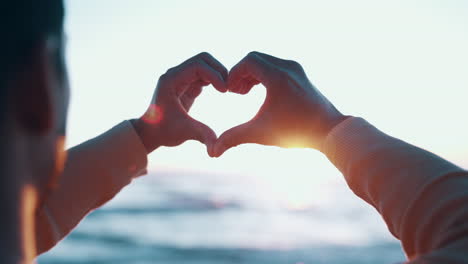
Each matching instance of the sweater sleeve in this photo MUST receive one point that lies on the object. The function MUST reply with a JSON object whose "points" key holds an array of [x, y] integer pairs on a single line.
{"points": [[422, 197], [94, 173]]}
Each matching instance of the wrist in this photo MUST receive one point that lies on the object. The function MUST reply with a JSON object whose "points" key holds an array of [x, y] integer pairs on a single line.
{"points": [[323, 124], [333, 122], [147, 139]]}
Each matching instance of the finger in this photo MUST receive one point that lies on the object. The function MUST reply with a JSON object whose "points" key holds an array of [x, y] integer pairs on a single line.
{"points": [[203, 134], [245, 133], [189, 96], [289, 65], [195, 90], [215, 64], [246, 85], [252, 67], [197, 71], [270, 58]]}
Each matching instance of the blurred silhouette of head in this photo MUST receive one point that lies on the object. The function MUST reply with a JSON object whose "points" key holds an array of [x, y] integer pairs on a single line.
{"points": [[34, 91]]}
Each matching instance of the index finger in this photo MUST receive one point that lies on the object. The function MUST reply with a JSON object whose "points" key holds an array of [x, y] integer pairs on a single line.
{"points": [[214, 63], [251, 67], [199, 71]]}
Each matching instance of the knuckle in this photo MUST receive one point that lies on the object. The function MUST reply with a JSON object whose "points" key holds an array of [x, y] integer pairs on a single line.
{"points": [[297, 66], [251, 57], [170, 71], [166, 75], [194, 64], [294, 64], [203, 54], [253, 54]]}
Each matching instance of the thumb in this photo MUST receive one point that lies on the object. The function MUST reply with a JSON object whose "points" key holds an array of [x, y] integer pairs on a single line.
{"points": [[235, 136], [203, 133]]}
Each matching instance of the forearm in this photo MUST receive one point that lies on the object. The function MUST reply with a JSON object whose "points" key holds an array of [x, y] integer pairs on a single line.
{"points": [[422, 197], [94, 173], [98, 169]]}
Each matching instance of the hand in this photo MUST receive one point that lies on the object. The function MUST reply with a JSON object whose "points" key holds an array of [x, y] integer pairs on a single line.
{"points": [[295, 113], [166, 122]]}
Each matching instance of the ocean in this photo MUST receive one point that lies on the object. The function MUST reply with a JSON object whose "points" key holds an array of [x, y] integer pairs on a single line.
{"points": [[189, 217]]}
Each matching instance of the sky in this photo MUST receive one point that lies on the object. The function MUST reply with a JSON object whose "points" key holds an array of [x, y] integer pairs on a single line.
{"points": [[402, 65]]}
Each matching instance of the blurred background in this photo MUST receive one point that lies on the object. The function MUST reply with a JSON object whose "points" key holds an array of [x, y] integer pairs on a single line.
{"points": [[402, 65]]}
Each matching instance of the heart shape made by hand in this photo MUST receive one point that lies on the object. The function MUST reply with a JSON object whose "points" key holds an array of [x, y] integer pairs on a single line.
{"points": [[223, 111]]}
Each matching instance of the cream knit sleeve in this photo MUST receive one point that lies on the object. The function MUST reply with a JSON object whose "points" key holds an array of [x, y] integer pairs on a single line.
{"points": [[95, 172], [422, 197]]}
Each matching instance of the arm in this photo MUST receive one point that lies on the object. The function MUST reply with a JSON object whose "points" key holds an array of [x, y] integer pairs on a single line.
{"points": [[98, 169], [95, 172], [422, 198]]}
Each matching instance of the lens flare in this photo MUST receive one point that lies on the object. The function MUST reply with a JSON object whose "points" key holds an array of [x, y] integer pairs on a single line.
{"points": [[153, 115]]}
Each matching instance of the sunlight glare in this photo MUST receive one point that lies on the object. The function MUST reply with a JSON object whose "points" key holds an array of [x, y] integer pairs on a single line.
{"points": [[153, 115]]}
